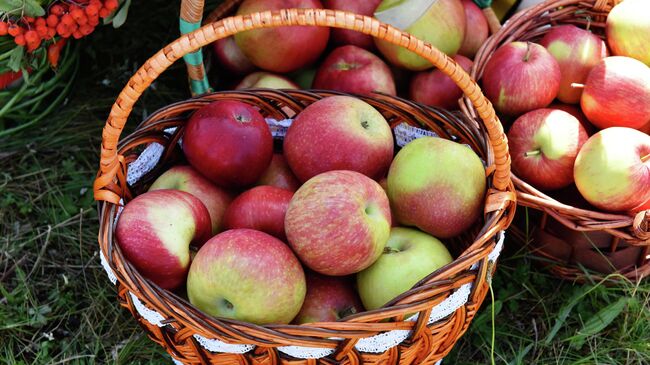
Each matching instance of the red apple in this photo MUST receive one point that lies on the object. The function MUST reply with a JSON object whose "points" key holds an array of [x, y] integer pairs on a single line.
{"points": [[544, 144], [342, 37], [228, 142], [577, 113], [279, 174], [612, 171], [339, 133], [520, 77], [185, 178], [577, 51], [338, 222], [231, 57], [476, 29], [261, 208], [155, 231], [328, 299], [249, 276], [265, 80], [354, 70], [434, 88], [628, 30], [281, 49], [617, 93]]}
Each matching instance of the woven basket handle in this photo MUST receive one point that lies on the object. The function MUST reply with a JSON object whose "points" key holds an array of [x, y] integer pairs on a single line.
{"points": [[190, 20], [110, 180]]}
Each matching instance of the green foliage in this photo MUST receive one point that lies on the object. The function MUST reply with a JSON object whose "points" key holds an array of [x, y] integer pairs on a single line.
{"points": [[22, 7]]}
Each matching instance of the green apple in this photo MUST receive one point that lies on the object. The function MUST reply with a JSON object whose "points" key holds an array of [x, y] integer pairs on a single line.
{"points": [[409, 256], [437, 185], [439, 22]]}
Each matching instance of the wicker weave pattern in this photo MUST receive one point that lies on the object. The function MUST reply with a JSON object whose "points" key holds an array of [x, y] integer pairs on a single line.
{"points": [[531, 25]]}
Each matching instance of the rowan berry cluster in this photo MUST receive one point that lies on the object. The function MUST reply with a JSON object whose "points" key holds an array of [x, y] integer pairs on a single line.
{"points": [[65, 19]]}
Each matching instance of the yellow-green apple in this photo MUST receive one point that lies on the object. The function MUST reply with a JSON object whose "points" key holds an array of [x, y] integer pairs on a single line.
{"points": [[476, 29], [338, 222], [409, 256], [231, 57], [438, 22], [185, 178], [612, 171], [628, 30], [249, 276], [617, 93], [267, 80], [328, 299], [279, 174], [281, 49], [354, 70], [155, 231], [520, 77], [228, 142], [339, 133], [437, 185], [261, 208], [342, 37], [437, 89], [577, 113], [544, 144], [576, 51]]}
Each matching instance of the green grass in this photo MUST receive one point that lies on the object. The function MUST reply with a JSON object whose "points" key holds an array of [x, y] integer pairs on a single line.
{"points": [[57, 306]]}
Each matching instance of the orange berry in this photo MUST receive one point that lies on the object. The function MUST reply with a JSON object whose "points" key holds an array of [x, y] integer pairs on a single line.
{"points": [[92, 10], [15, 30], [57, 9], [77, 34], [62, 29], [40, 22], [52, 20], [4, 27], [31, 36], [51, 32], [29, 19], [86, 29], [20, 40], [67, 19], [33, 45], [103, 13], [94, 21], [41, 30], [111, 5]]}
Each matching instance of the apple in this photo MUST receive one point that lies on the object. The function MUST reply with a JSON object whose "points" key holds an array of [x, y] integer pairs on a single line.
{"points": [[231, 57], [409, 256], [577, 113], [628, 30], [228, 142], [354, 70], [328, 299], [339, 133], [281, 49], [438, 22], [261, 208], [612, 170], [338, 222], [185, 178], [576, 51], [476, 29], [265, 80], [345, 36], [437, 185], [279, 174], [617, 93], [249, 276], [435, 88], [544, 144], [520, 77], [155, 231]]}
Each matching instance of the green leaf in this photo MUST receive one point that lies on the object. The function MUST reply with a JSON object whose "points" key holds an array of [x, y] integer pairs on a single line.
{"points": [[599, 321], [564, 313], [16, 58], [33, 8], [120, 17], [22, 7]]}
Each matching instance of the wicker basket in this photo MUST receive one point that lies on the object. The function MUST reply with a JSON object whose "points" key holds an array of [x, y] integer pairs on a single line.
{"points": [[446, 300], [572, 237]]}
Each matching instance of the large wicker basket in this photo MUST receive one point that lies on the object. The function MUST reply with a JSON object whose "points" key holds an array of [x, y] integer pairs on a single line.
{"points": [[445, 301], [572, 238]]}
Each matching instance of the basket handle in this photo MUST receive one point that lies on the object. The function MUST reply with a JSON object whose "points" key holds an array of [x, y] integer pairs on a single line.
{"points": [[110, 179], [190, 20]]}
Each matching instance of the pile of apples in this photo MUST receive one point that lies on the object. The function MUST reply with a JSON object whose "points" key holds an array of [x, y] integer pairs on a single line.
{"points": [[334, 225], [600, 91], [349, 61]]}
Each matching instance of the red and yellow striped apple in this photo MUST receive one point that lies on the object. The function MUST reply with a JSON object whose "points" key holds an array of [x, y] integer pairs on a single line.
{"points": [[247, 275], [577, 51], [341, 37], [577, 113], [476, 29], [261, 208], [231, 57], [628, 30], [267, 80], [328, 299], [544, 144], [612, 171], [437, 185], [338, 222], [279, 174], [339, 133], [617, 93], [155, 231], [434, 88]]}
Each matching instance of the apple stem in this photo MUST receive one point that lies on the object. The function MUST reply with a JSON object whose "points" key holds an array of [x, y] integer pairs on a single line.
{"points": [[577, 85], [645, 158], [528, 50], [390, 250], [533, 153]]}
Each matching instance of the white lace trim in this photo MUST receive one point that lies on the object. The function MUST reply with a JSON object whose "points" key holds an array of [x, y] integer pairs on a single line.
{"points": [[279, 127], [109, 271], [301, 352], [215, 345], [150, 315], [177, 362], [144, 163], [405, 133], [382, 342]]}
